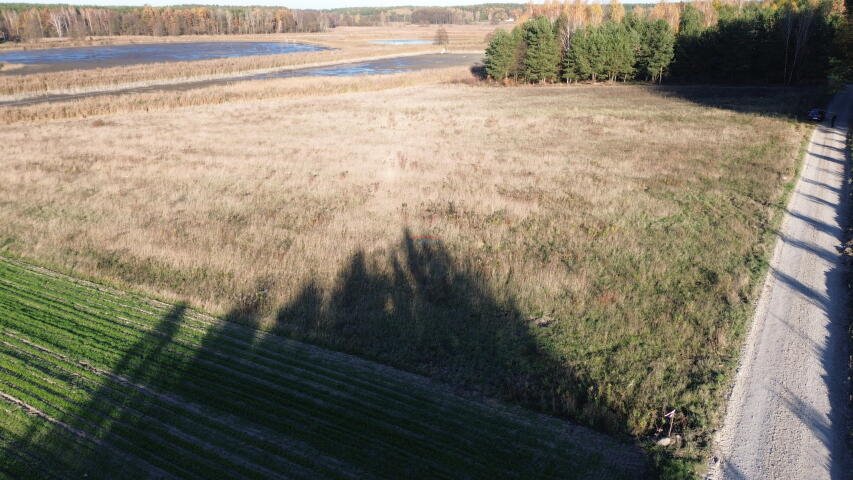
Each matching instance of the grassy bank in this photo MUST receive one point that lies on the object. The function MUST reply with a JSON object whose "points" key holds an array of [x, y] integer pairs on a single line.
{"points": [[591, 251], [97, 383], [301, 87]]}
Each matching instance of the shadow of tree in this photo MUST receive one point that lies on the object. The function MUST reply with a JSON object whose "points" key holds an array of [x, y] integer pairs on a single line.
{"points": [[838, 349], [96, 435], [417, 308], [192, 399], [776, 101], [479, 72]]}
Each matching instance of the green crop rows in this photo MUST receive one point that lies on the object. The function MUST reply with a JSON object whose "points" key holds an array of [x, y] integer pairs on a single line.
{"points": [[102, 383]]}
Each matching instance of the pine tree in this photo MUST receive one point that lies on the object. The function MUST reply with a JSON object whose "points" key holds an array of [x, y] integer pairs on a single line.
{"points": [[656, 50], [618, 50], [691, 21], [578, 64], [500, 56], [519, 52], [542, 56]]}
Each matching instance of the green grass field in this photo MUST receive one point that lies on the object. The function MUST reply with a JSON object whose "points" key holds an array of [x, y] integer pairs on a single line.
{"points": [[100, 383]]}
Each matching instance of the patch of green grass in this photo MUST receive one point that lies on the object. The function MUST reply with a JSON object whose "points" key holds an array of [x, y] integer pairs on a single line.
{"points": [[105, 384]]}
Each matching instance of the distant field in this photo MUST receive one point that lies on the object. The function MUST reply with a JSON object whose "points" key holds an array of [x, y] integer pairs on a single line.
{"points": [[590, 251], [100, 384], [463, 36]]}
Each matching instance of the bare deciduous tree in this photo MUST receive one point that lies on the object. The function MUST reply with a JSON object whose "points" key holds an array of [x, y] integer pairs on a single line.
{"points": [[441, 37]]}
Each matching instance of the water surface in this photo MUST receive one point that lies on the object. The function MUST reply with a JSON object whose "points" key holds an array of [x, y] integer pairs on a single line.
{"points": [[401, 42], [383, 66], [67, 58]]}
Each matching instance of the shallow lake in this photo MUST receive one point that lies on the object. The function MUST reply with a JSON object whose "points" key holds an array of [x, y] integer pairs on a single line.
{"points": [[67, 58], [381, 67], [401, 42], [372, 67]]}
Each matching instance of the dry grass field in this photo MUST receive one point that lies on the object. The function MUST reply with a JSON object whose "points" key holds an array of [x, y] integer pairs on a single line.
{"points": [[591, 251], [461, 36], [347, 44], [174, 96]]}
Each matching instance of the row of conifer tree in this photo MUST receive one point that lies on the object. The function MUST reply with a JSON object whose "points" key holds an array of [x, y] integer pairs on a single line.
{"points": [[781, 41]]}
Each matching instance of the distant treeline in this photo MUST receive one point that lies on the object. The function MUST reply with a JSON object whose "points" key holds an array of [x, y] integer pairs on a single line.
{"points": [[778, 41], [33, 23], [22, 22], [494, 13]]}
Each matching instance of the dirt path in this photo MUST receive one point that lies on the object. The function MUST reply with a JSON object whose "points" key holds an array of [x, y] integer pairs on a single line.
{"points": [[786, 414]]}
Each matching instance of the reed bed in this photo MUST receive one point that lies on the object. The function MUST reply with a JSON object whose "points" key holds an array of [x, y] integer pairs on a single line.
{"points": [[234, 92]]}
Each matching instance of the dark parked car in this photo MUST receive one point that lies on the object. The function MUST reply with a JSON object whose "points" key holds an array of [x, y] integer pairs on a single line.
{"points": [[816, 115]]}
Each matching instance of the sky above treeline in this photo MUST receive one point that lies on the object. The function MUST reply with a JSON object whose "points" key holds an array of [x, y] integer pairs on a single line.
{"points": [[316, 4]]}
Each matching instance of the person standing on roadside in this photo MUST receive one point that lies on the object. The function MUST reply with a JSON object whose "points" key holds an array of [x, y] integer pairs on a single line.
{"points": [[832, 121]]}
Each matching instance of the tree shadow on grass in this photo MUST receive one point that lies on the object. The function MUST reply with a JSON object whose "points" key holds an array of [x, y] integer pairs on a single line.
{"points": [[479, 72], [774, 101], [94, 438], [417, 308], [193, 399]]}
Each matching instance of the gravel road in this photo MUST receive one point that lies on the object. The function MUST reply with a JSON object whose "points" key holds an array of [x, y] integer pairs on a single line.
{"points": [[787, 412]]}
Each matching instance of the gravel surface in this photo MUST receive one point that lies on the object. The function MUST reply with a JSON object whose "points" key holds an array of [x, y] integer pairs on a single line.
{"points": [[787, 412]]}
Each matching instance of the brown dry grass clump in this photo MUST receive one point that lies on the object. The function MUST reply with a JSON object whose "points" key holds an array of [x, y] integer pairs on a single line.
{"points": [[612, 235]]}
